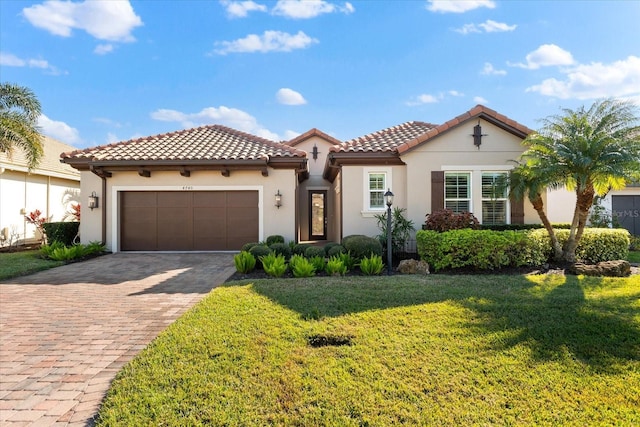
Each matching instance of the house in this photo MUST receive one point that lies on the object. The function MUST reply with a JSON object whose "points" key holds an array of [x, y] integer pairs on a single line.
{"points": [[215, 188], [50, 188]]}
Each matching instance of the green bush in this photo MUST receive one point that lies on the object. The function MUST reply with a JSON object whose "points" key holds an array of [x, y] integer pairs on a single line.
{"points": [[245, 262], [335, 250], [635, 243], [348, 261], [64, 232], [313, 251], [371, 265], [479, 249], [351, 236], [362, 246], [328, 247], [299, 248], [318, 262], [259, 251], [275, 238], [596, 244], [301, 266], [47, 250], [335, 266], [517, 227], [59, 252], [282, 249], [274, 265], [247, 246]]}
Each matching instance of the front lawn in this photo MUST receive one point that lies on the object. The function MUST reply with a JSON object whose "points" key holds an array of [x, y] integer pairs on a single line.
{"points": [[354, 351], [13, 264]]}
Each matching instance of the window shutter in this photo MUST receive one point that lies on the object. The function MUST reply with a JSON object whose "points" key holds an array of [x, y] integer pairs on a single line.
{"points": [[437, 190], [517, 211]]}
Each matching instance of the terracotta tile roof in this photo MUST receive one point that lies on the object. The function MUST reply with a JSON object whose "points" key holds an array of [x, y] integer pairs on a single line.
{"points": [[384, 140], [311, 133], [479, 111], [206, 143], [49, 165]]}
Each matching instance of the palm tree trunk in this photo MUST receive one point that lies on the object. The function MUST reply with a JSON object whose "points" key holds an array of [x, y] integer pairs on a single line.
{"points": [[584, 201], [538, 205]]}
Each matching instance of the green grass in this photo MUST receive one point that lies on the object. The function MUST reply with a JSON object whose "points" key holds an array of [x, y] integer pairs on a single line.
{"points": [[434, 350], [13, 264], [634, 256]]}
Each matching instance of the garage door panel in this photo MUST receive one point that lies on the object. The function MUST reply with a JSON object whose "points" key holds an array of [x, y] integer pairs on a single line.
{"points": [[626, 210], [207, 220]]}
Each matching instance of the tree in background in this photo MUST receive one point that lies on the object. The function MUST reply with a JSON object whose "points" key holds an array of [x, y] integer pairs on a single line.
{"points": [[19, 112], [590, 151]]}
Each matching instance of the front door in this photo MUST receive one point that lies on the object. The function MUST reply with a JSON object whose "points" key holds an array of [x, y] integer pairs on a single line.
{"points": [[317, 215]]}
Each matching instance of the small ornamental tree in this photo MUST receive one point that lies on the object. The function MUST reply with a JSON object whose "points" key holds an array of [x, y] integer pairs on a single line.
{"points": [[38, 221]]}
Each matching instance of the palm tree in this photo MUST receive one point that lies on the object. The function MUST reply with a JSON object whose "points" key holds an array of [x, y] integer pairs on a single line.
{"points": [[19, 112], [590, 151]]}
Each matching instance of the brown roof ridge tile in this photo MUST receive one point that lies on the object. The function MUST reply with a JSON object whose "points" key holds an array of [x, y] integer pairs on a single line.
{"points": [[310, 133]]}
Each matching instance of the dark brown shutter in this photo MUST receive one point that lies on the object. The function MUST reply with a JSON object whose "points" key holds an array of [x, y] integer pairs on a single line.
{"points": [[437, 190], [517, 211]]}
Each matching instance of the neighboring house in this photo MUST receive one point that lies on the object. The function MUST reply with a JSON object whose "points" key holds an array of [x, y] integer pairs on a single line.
{"points": [[50, 188], [215, 188]]}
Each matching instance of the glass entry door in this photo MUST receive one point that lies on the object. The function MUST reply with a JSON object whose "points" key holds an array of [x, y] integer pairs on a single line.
{"points": [[317, 214]]}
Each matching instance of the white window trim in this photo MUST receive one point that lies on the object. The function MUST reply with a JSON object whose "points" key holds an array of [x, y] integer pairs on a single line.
{"points": [[368, 211], [470, 173]]}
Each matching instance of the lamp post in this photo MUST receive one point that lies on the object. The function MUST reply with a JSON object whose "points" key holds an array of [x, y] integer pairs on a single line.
{"points": [[388, 199]]}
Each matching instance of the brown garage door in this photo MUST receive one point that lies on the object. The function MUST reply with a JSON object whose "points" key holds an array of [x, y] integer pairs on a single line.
{"points": [[188, 220]]}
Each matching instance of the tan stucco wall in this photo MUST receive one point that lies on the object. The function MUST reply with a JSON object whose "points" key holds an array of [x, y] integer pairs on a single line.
{"points": [[315, 182], [455, 151], [273, 220], [28, 192]]}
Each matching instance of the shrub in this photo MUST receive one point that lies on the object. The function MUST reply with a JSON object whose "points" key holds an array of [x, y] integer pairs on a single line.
{"points": [[300, 248], [635, 243], [318, 262], [596, 244], [244, 261], [371, 265], [274, 265], [282, 249], [328, 247], [63, 232], [336, 250], [59, 252], [363, 246], [301, 266], [335, 267], [348, 261], [259, 251], [401, 229], [479, 249], [516, 227], [47, 250], [349, 237], [313, 251], [445, 220], [275, 238], [247, 246]]}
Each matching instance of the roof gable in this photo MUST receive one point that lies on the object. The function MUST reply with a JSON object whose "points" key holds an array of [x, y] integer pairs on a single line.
{"points": [[310, 134]]}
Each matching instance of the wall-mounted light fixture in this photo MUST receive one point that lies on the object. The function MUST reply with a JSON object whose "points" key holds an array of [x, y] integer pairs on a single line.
{"points": [[315, 152], [477, 135], [93, 200], [278, 199]]}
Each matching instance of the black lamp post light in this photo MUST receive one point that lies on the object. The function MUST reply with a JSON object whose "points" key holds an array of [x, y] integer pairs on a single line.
{"points": [[388, 199]]}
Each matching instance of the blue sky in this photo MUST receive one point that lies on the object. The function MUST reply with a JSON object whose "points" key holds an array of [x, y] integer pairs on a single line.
{"points": [[107, 71]]}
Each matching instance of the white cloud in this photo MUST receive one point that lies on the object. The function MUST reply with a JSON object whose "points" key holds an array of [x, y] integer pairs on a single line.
{"points": [[112, 138], [458, 6], [58, 130], [290, 134], [545, 56], [455, 93], [104, 20], [488, 26], [423, 99], [288, 96], [11, 60], [480, 100], [103, 49], [305, 9], [226, 116], [595, 80], [488, 70], [269, 41], [240, 9]]}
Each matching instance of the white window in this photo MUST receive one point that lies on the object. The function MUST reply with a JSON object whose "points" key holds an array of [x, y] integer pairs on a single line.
{"points": [[495, 201], [377, 188], [457, 191]]}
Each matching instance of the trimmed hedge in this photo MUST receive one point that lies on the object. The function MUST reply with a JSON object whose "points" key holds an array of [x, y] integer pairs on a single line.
{"points": [[63, 232], [596, 244], [515, 227], [275, 238], [281, 249], [362, 246], [314, 251], [299, 248], [479, 249]]}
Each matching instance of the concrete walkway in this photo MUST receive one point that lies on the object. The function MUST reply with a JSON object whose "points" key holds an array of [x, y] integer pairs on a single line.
{"points": [[66, 332]]}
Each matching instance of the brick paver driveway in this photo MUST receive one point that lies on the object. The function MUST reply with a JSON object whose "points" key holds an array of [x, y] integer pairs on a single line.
{"points": [[66, 332]]}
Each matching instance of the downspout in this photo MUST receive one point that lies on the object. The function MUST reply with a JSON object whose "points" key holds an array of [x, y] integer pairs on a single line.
{"points": [[104, 210]]}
